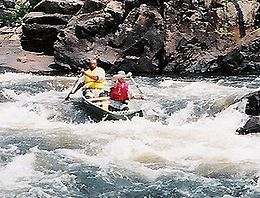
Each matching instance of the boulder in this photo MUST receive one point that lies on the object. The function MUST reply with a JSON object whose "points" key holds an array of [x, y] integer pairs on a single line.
{"points": [[59, 6], [93, 5], [73, 53], [40, 37], [198, 40], [43, 18], [148, 37], [253, 110], [140, 39], [96, 24], [253, 105], [242, 57], [252, 126], [40, 31], [133, 46]]}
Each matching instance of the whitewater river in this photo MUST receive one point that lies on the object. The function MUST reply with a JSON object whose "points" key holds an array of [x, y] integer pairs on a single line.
{"points": [[185, 146]]}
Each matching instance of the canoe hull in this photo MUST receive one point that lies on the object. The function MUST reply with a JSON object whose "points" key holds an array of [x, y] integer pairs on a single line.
{"points": [[98, 111]]}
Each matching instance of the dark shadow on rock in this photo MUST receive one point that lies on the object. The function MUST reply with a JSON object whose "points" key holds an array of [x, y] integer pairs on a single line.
{"points": [[253, 109]]}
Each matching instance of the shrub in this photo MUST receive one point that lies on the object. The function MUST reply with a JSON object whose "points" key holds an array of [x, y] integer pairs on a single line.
{"points": [[13, 17]]}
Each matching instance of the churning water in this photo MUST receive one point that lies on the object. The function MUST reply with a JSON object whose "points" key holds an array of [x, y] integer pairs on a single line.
{"points": [[184, 146]]}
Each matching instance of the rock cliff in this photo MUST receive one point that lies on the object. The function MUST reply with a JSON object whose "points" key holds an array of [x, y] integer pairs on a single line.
{"points": [[147, 37]]}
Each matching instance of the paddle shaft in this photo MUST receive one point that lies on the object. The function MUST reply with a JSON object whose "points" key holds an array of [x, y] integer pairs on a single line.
{"points": [[136, 84], [73, 88]]}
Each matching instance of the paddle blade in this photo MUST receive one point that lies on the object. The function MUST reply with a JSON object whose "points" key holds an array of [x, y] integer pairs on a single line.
{"points": [[67, 97]]}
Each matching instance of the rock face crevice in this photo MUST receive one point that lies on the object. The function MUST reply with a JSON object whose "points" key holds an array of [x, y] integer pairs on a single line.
{"points": [[147, 37]]}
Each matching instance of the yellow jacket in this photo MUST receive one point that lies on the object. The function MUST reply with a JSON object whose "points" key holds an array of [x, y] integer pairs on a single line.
{"points": [[91, 83]]}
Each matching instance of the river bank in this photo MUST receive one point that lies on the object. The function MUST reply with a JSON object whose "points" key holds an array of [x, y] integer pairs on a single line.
{"points": [[14, 58]]}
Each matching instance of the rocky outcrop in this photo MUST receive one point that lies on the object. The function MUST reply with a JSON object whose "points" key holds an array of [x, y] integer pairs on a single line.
{"points": [[132, 47], [40, 31], [252, 126], [70, 7], [41, 28], [140, 40], [244, 57], [197, 37], [179, 37], [253, 110]]}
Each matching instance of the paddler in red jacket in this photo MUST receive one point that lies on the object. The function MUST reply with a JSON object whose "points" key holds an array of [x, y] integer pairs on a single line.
{"points": [[121, 92]]}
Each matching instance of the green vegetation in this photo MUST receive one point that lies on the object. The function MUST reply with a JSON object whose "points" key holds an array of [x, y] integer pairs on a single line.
{"points": [[13, 17], [223, 32]]}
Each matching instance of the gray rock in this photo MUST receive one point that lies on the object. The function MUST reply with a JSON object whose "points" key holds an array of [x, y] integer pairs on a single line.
{"points": [[172, 36], [59, 6]]}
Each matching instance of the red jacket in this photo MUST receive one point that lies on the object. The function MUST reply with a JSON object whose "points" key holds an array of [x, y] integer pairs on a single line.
{"points": [[119, 92]]}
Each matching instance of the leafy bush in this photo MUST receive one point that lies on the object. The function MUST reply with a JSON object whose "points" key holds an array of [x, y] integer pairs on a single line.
{"points": [[14, 16]]}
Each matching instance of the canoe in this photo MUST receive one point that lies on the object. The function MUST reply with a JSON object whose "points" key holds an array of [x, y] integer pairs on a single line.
{"points": [[98, 109]]}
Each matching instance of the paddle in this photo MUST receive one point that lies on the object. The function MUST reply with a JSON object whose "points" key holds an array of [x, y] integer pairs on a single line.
{"points": [[129, 74], [76, 86], [136, 85]]}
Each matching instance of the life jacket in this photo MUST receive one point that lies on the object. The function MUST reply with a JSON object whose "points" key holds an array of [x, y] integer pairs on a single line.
{"points": [[91, 83], [119, 92]]}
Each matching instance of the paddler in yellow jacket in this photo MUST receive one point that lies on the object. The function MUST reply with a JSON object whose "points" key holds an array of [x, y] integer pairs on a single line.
{"points": [[92, 81]]}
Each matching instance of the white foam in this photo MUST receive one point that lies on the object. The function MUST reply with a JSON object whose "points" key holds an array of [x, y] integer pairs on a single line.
{"points": [[17, 173], [141, 146]]}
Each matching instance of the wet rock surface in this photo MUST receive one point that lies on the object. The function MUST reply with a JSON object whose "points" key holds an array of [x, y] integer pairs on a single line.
{"points": [[253, 110], [155, 37], [172, 37]]}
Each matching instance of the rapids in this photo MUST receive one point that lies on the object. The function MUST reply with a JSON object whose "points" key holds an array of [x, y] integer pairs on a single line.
{"points": [[184, 146]]}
